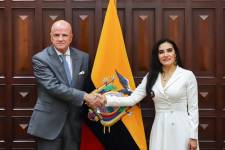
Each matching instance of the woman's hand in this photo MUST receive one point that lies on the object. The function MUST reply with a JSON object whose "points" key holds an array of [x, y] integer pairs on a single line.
{"points": [[192, 145]]}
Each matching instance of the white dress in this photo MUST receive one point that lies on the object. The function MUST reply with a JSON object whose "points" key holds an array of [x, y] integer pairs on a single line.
{"points": [[176, 105]]}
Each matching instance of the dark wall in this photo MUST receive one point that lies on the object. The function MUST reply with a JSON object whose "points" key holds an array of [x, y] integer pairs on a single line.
{"points": [[197, 26]]}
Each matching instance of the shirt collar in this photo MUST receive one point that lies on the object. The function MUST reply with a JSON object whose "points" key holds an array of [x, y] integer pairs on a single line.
{"points": [[67, 53]]}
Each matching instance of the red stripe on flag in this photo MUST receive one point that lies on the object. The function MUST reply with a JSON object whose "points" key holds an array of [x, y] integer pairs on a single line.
{"points": [[89, 140]]}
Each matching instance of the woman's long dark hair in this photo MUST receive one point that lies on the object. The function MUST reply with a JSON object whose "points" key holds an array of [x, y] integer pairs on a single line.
{"points": [[156, 66]]}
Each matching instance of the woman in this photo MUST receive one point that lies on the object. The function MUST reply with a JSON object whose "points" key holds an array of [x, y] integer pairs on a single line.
{"points": [[175, 95]]}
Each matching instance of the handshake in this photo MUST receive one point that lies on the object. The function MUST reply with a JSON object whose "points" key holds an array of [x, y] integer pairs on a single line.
{"points": [[95, 100]]}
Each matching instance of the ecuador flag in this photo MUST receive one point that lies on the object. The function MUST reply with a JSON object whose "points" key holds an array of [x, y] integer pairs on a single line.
{"points": [[111, 56]]}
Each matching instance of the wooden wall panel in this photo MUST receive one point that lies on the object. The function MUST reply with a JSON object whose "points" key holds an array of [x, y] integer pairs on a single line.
{"points": [[48, 18], [53, 0], [143, 39], [20, 125], [207, 97], [23, 0], [180, 1], [83, 25], [24, 149], [143, 1], [203, 0], [83, 0], [2, 131], [23, 41], [19, 132], [173, 25], [204, 42], [222, 52], [223, 131], [2, 98], [2, 41], [207, 132], [222, 98], [24, 97]]}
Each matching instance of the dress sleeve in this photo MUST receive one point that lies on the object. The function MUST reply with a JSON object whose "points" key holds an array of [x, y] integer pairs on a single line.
{"points": [[138, 94], [192, 95]]}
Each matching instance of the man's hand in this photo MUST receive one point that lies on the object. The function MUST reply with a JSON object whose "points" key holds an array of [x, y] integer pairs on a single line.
{"points": [[102, 99], [93, 100]]}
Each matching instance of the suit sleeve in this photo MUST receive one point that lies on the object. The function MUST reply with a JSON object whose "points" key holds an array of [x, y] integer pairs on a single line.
{"points": [[192, 94], [47, 79], [138, 94]]}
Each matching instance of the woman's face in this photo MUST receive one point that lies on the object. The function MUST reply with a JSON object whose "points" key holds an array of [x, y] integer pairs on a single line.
{"points": [[166, 54]]}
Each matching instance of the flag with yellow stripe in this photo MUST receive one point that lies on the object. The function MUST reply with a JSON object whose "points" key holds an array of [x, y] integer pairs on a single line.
{"points": [[111, 56]]}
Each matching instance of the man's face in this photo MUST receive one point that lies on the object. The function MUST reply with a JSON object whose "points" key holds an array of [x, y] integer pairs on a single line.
{"points": [[61, 36]]}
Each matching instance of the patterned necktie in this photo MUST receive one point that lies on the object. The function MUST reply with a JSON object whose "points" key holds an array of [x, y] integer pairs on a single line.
{"points": [[66, 67]]}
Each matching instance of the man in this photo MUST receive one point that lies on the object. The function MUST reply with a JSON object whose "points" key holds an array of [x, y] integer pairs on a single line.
{"points": [[61, 73]]}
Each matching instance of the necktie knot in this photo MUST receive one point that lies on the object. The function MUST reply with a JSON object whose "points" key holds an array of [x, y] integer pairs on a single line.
{"points": [[63, 57]]}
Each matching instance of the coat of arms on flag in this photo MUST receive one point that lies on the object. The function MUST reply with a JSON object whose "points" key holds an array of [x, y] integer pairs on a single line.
{"points": [[110, 115]]}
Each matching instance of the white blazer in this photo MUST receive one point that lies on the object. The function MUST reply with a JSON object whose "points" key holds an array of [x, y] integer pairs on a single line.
{"points": [[180, 94]]}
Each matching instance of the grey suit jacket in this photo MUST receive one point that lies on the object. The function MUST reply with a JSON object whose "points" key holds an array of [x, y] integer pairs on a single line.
{"points": [[57, 101]]}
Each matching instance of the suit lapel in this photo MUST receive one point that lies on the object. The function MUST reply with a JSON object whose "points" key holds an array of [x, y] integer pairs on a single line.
{"points": [[76, 64], [177, 74], [159, 83]]}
